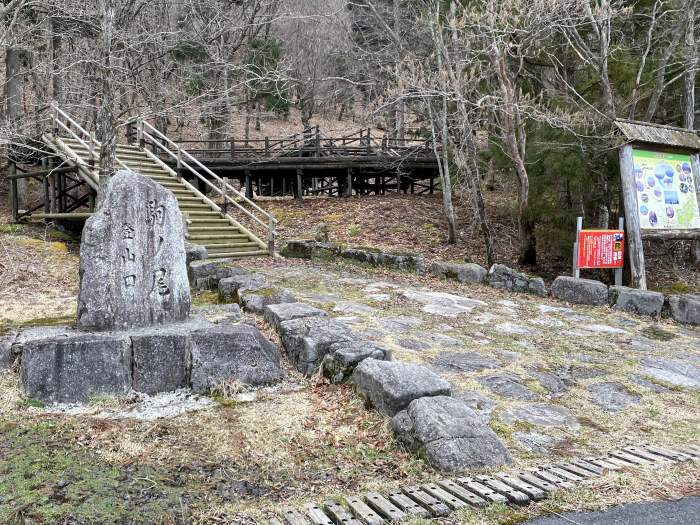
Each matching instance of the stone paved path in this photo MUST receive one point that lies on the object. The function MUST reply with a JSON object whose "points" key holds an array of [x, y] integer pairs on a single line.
{"points": [[682, 512], [548, 375]]}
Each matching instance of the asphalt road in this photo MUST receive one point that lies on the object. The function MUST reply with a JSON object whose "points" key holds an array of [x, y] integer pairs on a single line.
{"points": [[685, 511]]}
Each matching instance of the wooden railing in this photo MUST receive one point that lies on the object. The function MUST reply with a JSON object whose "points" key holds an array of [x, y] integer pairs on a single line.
{"points": [[310, 143], [146, 134], [63, 121]]}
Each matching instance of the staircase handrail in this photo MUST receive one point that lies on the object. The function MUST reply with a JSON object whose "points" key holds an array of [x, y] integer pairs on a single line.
{"points": [[91, 146], [180, 153]]}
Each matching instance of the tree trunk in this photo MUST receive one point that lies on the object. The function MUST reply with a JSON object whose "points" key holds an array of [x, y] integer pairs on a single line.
{"points": [[106, 132], [13, 59], [690, 71]]}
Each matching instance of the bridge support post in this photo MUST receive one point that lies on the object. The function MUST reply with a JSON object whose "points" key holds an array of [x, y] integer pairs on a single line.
{"points": [[348, 187], [299, 188], [248, 185]]}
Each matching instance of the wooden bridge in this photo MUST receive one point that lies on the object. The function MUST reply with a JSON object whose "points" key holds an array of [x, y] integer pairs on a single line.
{"points": [[314, 163], [216, 182]]}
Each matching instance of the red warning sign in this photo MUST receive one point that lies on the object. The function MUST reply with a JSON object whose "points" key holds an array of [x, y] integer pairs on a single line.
{"points": [[601, 248]]}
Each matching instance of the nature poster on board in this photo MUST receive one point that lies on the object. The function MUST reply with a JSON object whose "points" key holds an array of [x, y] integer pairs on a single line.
{"points": [[665, 191]]}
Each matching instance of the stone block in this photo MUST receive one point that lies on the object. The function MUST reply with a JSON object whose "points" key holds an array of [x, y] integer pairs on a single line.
{"points": [[255, 301], [229, 287], [409, 262], [390, 386], [72, 366], [7, 355], [449, 435], [195, 252], [307, 340], [308, 249], [205, 275], [232, 354], [464, 273], [161, 360], [504, 278], [685, 308], [641, 302], [342, 358], [276, 314], [132, 258], [580, 291]]}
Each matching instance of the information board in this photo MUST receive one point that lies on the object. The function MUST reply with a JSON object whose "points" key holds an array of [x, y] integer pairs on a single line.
{"points": [[601, 249], [666, 196]]}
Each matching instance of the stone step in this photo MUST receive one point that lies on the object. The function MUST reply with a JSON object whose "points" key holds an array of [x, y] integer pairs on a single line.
{"points": [[213, 249], [203, 239], [239, 254]]}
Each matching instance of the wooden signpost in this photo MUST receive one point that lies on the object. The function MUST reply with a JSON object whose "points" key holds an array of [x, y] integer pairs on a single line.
{"points": [[660, 175]]}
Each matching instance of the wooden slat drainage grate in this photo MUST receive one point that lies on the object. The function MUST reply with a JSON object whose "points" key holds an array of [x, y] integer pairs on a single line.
{"points": [[518, 488]]}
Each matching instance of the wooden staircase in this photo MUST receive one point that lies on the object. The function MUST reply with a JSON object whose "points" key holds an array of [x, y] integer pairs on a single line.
{"points": [[208, 223], [205, 225]]}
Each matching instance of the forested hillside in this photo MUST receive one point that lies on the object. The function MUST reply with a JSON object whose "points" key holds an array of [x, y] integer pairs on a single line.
{"points": [[519, 96]]}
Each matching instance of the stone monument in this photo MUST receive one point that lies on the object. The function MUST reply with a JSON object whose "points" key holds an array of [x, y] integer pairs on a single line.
{"points": [[132, 259], [133, 327]]}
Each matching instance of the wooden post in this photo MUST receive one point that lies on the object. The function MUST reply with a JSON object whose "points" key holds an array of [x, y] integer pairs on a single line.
{"points": [[299, 189], [432, 185], [139, 133], [179, 162], [248, 185], [695, 160], [267, 146], [618, 271], [91, 150], [224, 192], [233, 148], [284, 185], [633, 232], [271, 236], [576, 270], [348, 189], [318, 141]]}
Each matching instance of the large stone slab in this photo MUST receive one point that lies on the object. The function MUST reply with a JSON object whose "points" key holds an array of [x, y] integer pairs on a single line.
{"points": [[449, 435], [308, 340], [132, 258], [342, 358], [676, 372], [276, 314], [508, 385], [441, 303], [612, 396], [685, 308], [228, 354], [456, 362], [540, 414], [68, 366], [580, 291], [463, 273], [504, 278], [641, 302], [390, 386]]}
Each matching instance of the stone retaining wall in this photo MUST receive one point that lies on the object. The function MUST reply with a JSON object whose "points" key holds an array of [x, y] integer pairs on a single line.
{"points": [[307, 249]]}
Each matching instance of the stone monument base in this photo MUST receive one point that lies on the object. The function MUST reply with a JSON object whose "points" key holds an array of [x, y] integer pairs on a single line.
{"points": [[63, 365]]}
